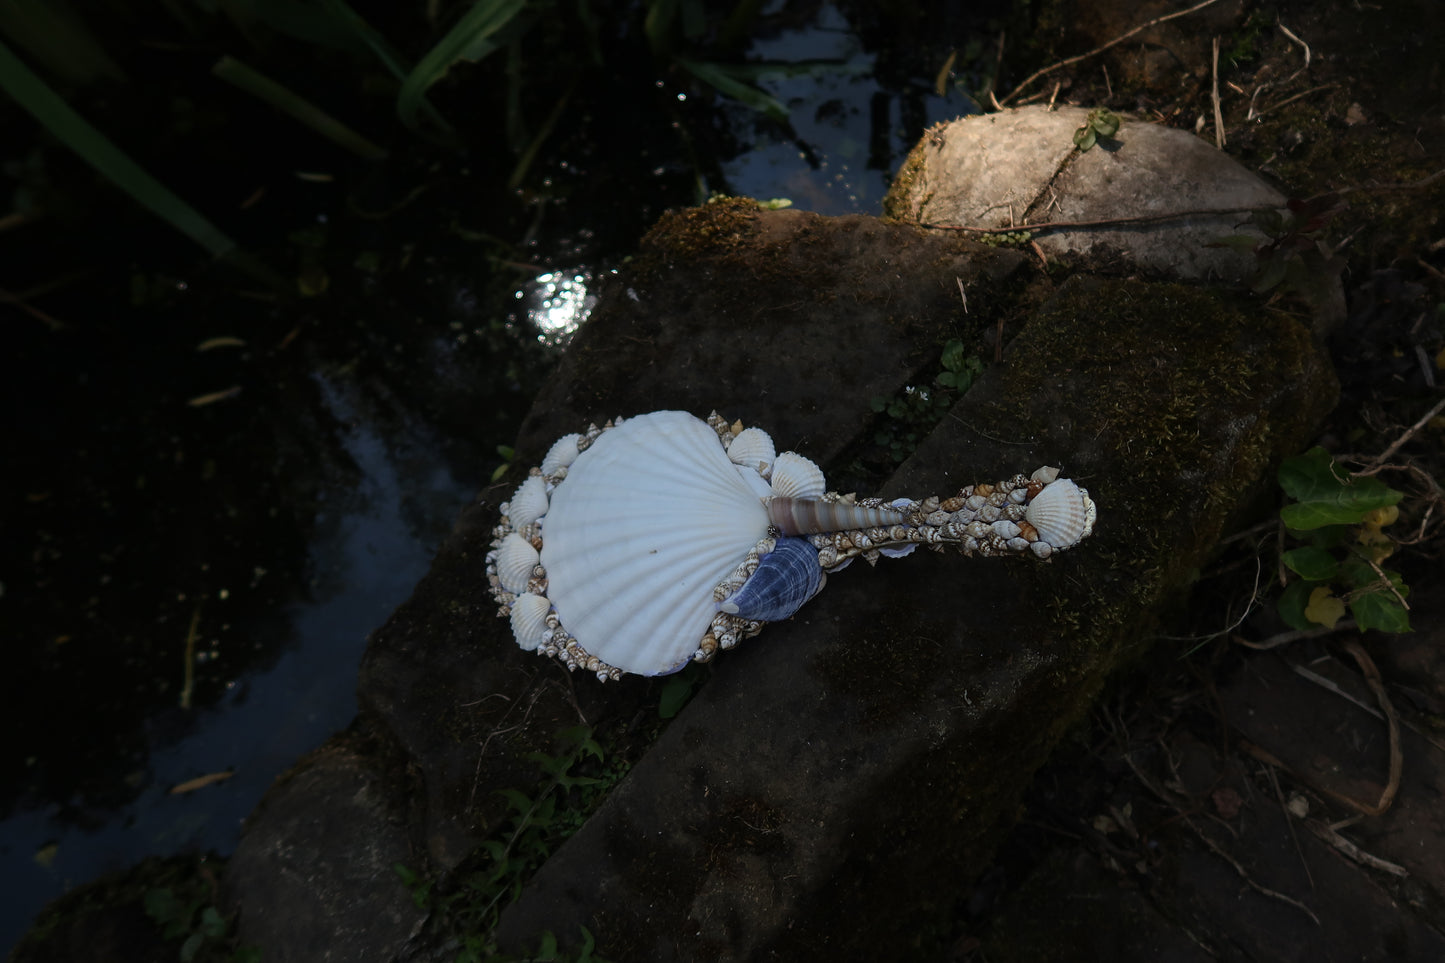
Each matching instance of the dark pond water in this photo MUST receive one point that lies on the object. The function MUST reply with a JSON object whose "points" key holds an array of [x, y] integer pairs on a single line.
{"points": [[186, 589]]}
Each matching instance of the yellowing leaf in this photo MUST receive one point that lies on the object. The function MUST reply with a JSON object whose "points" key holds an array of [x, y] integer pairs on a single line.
{"points": [[1324, 608], [1380, 517]]}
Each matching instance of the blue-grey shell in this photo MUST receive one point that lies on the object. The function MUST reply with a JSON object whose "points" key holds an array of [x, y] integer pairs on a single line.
{"points": [[785, 578]]}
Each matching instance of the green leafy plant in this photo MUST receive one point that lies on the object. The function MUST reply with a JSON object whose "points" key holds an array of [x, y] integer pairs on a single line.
{"points": [[1293, 257], [1341, 518], [204, 933], [960, 368], [914, 411], [1101, 124], [534, 826]]}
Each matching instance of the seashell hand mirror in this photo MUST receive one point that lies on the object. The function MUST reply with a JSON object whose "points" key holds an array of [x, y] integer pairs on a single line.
{"points": [[660, 539]]}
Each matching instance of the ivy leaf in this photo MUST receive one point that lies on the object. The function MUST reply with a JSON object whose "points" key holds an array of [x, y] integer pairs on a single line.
{"points": [[1292, 602], [1312, 563], [1325, 495], [1380, 611]]}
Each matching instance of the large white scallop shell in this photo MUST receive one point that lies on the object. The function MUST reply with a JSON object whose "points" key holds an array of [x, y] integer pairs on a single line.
{"points": [[1062, 513], [529, 502], [529, 619], [648, 521], [515, 560], [561, 455], [753, 448], [795, 476]]}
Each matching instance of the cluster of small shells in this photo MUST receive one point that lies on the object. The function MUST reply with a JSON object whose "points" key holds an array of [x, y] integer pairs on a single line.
{"points": [[514, 564], [984, 519]]}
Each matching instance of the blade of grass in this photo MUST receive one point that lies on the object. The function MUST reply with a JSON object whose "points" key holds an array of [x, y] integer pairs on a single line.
{"points": [[472, 39], [289, 102], [722, 79], [390, 58], [97, 150], [51, 35]]}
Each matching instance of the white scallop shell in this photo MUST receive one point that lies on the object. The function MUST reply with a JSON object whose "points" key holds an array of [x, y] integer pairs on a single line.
{"points": [[515, 559], [529, 619], [797, 477], [529, 502], [1062, 513], [753, 448], [649, 520], [561, 455]]}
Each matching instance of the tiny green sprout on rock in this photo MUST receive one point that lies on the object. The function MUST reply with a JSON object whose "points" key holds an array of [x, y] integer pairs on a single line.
{"points": [[1102, 123], [912, 413], [1341, 518], [1007, 239]]}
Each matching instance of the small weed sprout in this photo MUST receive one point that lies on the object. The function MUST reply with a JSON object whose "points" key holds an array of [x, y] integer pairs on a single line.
{"points": [[1342, 518], [1101, 124], [914, 411], [204, 933], [1007, 239], [470, 909], [1293, 258]]}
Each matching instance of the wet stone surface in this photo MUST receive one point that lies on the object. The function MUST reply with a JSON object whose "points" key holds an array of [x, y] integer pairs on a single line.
{"points": [[837, 767], [832, 770]]}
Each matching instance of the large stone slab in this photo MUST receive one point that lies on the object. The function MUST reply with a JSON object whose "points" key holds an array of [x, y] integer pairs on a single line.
{"points": [[782, 318], [786, 318], [840, 777], [846, 771]]}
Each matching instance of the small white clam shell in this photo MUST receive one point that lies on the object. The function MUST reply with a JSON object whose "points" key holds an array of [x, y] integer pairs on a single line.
{"points": [[1062, 513], [1046, 475], [515, 560], [529, 502], [797, 477], [562, 454], [529, 619], [753, 448]]}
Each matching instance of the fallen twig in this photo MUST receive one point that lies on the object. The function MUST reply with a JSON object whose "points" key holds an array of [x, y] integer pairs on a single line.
{"points": [[1104, 222], [1392, 784], [1290, 100], [1100, 49], [1410, 432], [1354, 852], [1218, 111], [1169, 801], [1244, 875], [1294, 635]]}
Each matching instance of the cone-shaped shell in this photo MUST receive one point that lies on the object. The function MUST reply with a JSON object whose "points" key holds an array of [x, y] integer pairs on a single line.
{"points": [[561, 455], [785, 578], [649, 520], [529, 619], [1062, 513], [515, 560], [797, 477], [529, 502], [753, 448]]}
